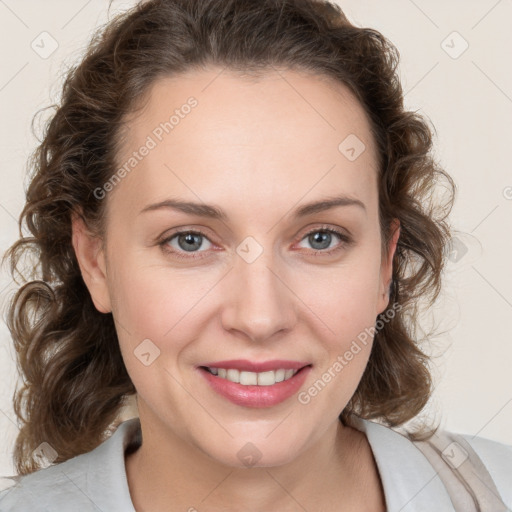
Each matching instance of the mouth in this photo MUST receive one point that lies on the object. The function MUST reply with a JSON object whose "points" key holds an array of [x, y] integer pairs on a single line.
{"points": [[255, 389]]}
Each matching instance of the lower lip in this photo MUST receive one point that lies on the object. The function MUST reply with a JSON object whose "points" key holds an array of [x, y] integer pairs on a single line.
{"points": [[256, 396]]}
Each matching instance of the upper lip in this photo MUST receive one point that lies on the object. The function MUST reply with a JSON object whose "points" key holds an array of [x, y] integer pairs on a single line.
{"points": [[257, 367]]}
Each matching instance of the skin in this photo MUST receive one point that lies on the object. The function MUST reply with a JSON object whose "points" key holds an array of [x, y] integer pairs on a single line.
{"points": [[258, 149]]}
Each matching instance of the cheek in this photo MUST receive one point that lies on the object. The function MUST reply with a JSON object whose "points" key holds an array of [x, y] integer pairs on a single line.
{"points": [[349, 312], [152, 311], [161, 304], [143, 303], [346, 303], [346, 297]]}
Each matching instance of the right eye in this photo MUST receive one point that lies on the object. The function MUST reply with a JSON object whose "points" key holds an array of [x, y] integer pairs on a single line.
{"points": [[185, 241]]}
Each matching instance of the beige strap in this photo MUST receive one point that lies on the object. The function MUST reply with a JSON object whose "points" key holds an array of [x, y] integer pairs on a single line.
{"points": [[467, 480]]}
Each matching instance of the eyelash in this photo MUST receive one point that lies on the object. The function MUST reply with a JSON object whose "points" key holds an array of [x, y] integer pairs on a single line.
{"points": [[345, 241]]}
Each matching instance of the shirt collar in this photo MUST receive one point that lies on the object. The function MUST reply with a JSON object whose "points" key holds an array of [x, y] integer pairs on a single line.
{"points": [[410, 482]]}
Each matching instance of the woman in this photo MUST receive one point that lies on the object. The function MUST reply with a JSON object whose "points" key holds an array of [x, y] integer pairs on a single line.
{"points": [[233, 217]]}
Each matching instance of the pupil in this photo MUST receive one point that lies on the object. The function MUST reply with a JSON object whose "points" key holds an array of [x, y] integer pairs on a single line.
{"points": [[320, 236], [190, 242]]}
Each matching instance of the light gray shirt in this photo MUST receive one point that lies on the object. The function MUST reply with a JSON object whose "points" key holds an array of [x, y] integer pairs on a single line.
{"points": [[96, 481]]}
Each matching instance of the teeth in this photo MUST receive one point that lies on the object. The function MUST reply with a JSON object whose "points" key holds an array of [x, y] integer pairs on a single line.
{"points": [[265, 378], [280, 375], [251, 378], [245, 378], [233, 376]]}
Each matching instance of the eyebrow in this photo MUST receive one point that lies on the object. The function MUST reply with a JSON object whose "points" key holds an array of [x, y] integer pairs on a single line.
{"points": [[214, 212]]}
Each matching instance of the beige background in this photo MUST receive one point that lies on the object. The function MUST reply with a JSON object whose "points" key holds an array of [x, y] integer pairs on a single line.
{"points": [[467, 96]]}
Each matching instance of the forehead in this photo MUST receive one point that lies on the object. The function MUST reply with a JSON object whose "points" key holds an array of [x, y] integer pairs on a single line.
{"points": [[215, 134]]}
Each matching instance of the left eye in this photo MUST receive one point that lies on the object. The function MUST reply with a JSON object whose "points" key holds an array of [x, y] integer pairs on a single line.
{"points": [[188, 241], [323, 238]]}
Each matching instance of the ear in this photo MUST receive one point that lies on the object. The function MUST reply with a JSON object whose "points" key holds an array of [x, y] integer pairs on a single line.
{"points": [[91, 259], [386, 271]]}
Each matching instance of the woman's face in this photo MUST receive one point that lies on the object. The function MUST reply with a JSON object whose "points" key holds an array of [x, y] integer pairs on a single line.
{"points": [[262, 279]]}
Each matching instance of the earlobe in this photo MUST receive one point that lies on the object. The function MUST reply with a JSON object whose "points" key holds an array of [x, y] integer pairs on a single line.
{"points": [[91, 260]]}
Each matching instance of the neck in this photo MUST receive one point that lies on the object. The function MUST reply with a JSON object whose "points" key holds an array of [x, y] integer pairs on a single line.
{"points": [[169, 473]]}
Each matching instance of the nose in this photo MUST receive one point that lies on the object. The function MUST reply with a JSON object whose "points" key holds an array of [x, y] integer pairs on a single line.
{"points": [[258, 303]]}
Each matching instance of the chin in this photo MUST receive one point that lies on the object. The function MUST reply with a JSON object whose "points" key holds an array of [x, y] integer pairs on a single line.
{"points": [[245, 454]]}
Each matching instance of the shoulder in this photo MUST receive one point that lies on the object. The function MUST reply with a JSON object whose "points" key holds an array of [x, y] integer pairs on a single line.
{"points": [[52, 488], [482, 466], [89, 482], [415, 473], [497, 458]]}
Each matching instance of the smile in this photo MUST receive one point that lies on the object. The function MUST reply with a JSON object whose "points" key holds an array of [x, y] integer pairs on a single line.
{"points": [[255, 389]]}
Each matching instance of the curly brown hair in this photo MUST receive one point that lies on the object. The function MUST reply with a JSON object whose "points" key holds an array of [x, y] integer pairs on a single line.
{"points": [[74, 381]]}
